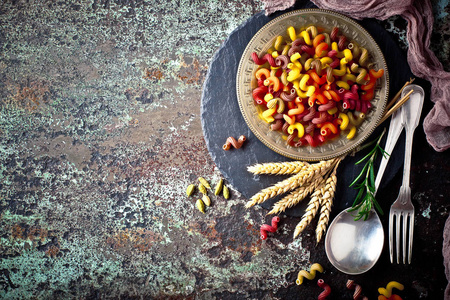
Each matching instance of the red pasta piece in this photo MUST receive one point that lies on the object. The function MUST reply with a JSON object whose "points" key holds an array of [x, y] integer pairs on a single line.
{"points": [[327, 106], [357, 295], [322, 118], [231, 141], [268, 228], [310, 140], [326, 287], [334, 34], [288, 96], [276, 125], [308, 49], [266, 58], [342, 42], [368, 95], [259, 93]]}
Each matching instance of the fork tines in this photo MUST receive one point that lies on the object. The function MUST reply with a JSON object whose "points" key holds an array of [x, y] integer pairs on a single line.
{"points": [[401, 221]]}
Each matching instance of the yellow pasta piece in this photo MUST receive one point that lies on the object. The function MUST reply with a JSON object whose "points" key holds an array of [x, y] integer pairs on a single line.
{"points": [[294, 73], [309, 89], [313, 30], [308, 63], [296, 86], [387, 292], [285, 50], [326, 60], [299, 127], [294, 59], [284, 80], [332, 111], [267, 115], [343, 84], [309, 275], [352, 133], [291, 33], [278, 43], [345, 121], [306, 37], [348, 54], [268, 97], [348, 77], [343, 68]]}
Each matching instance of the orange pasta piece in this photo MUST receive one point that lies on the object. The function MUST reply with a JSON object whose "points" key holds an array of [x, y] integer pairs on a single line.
{"points": [[328, 127], [261, 72], [296, 111], [321, 49], [319, 97], [319, 38], [317, 79], [376, 74], [273, 80]]}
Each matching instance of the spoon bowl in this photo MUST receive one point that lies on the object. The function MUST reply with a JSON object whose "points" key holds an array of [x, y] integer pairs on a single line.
{"points": [[353, 247]]}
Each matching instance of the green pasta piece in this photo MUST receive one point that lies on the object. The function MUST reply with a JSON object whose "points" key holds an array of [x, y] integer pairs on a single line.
{"points": [[219, 187], [202, 188], [190, 190], [226, 192], [206, 200], [200, 205], [204, 182]]}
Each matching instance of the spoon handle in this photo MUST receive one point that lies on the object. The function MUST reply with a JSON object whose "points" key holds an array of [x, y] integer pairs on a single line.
{"points": [[395, 128]]}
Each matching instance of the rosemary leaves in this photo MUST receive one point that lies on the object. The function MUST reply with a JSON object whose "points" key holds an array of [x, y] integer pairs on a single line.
{"points": [[365, 182]]}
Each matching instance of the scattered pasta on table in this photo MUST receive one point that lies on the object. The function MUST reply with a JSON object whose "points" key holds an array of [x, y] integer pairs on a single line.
{"points": [[309, 275]]}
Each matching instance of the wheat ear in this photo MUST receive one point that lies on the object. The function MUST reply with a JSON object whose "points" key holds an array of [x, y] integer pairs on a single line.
{"points": [[280, 188], [279, 168], [326, 203], [296, 196], [291, 183], [312, 209]]}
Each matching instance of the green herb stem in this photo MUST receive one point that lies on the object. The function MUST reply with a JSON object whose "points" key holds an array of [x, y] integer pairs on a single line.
{"points": [[365, 183]]}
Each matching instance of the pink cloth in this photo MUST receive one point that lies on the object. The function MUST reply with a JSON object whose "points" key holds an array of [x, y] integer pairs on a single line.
{"points": [[422, 61]]}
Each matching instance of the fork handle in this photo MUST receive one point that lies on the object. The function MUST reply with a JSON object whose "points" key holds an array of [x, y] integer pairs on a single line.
{"points": [[407, 164]]}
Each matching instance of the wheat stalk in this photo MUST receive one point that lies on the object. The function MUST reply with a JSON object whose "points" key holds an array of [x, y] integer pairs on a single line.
{"points": [[292, 182], [279, 168], [278, 189], [326, 203], [295, 197], [312, 209]]}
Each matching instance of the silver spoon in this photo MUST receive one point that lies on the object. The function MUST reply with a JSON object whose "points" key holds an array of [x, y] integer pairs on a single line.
{"points": [[353, 247]]}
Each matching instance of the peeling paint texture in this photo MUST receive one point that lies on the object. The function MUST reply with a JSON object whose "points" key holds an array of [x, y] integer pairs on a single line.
{"points": [[100, 135]]}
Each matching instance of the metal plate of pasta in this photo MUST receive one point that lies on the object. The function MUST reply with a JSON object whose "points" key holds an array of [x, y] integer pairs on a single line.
{"points": [[328, 98]]}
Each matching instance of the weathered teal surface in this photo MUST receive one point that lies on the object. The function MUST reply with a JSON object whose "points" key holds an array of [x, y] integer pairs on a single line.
{"points": [[100, 136]]}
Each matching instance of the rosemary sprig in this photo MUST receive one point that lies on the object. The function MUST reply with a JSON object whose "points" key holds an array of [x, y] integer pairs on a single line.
{"points": [[365, 182]]}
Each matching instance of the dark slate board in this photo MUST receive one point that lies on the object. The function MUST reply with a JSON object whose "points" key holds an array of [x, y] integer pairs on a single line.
{"points": [[221, 117]]}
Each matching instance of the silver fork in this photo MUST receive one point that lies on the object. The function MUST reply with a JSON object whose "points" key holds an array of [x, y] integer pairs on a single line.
{"points": [[402, 209]]}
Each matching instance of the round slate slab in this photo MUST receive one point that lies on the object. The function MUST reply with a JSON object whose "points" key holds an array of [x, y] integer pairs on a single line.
{"points": [[221, 117]]}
